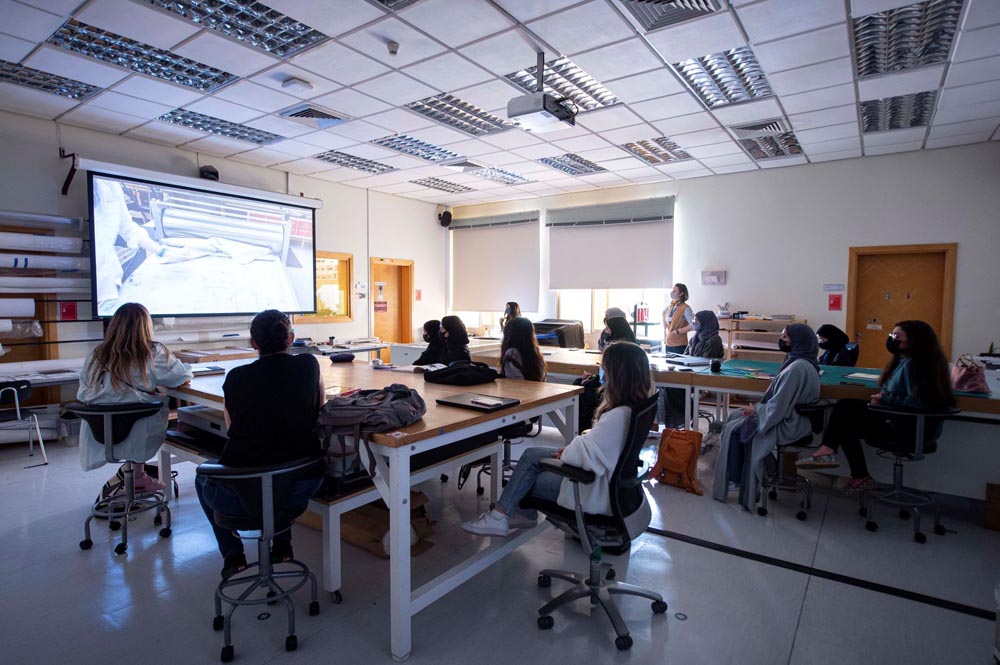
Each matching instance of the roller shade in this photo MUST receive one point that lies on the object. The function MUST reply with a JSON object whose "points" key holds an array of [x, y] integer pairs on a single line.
{"points": [[613, 246], [495, 260]]}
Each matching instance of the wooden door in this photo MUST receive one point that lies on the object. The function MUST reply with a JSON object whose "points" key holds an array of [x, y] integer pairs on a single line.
{"points": [[890, 284], [391, 290]]}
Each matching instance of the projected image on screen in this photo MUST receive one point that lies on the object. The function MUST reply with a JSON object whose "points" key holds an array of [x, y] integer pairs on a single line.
{"points": [[187, 252]]}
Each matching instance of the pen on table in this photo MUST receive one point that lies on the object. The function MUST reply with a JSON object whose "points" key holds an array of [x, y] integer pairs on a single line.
{"points": [[231, 335], [851, 383]]}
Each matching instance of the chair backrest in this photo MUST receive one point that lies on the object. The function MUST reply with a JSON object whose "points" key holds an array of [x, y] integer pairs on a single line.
{"points": [[122, 417], [915, 432], [14, 392], [627, 494], [816, 413]]}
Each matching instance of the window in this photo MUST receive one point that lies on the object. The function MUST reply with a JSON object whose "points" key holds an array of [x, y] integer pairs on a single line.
{"points": [[589, 305], [334, 277]]}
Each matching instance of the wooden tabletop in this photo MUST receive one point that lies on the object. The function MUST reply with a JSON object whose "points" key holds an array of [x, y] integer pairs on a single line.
{"points": [[439, 419]]}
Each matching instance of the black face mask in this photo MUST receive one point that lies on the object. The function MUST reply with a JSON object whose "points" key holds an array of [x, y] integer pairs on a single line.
{"points": [[784, 346], [892, 345], [825, 345]]}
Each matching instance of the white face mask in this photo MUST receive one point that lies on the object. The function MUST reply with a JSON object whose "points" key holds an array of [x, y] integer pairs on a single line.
{"points": [[695, 326]]}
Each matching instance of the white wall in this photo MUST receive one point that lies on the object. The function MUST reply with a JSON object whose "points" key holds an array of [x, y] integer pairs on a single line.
{"points": [[31, 175], [782, 233]]}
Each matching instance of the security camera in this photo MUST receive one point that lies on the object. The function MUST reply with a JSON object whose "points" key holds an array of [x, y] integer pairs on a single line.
{"points": [[393, 48]]}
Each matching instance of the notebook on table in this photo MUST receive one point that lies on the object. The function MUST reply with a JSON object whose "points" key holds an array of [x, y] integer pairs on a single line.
{"points": [[478, 402], [208, 370], [687, 361]]}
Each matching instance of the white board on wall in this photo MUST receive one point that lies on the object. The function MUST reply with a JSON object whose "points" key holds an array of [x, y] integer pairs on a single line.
{"points": [[495, 265], [611, 256]]}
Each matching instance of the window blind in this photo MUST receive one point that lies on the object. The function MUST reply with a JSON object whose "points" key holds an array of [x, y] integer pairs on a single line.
{"points": [[495, 260]]}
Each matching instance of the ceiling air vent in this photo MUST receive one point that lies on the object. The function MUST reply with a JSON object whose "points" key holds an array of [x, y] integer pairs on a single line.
{"points": [[653, 14], [755, 130], [312, 116]]}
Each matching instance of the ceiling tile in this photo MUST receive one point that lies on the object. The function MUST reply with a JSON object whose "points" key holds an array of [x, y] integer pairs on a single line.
{"points": [[511, 138], [893, 147], [811, 47], [153, 90], [339, 63], [969, 127], [909, 135], [649, 85], [812, 77], [730, 159], [334, 175], [399, 121], [696, 173], [866, 7], [499, 158], [352, 102], [349, 14], [735, 168], [61, 7], [831, 156], [490, 96], [103, 120], [608, 154], [359, 130], [778, 162], [773, 19], [900, 83], [617, 60], [668, 107], [977, 71], [166, 133], [530, 167], [448, 72], [311, 167], [403, 161], [37, 103], [28, 22], [949, 114], [60, 61], [836, 145], [838, 95], [472, 147], [612, 117], [582, 28], [327, 140], [582, 143], [981, 13], [439, 135], [467, 20], [712, 34], [396, 88], [414, 45], [958, 139], [704, 137], [137, 21], [825, 117], [369, 151], [13, 49], [276, 76], [256, 96], [735, 114], [501, 54], [399, 188], [640, 132], [218, 108], [640, 172], [845, 131], [263, 157], [686, 123], [294, 147], [280, 126], [715, 150], [526, 10], [220, 52], [974, 44], [141, 108], [970, 94]]}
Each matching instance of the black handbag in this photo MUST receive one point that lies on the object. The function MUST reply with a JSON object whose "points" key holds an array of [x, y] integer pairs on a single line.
{"points": [[462, 373]]}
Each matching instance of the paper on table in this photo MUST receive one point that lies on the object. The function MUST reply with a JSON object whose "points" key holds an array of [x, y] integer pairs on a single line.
{"points": [[862, 375]]}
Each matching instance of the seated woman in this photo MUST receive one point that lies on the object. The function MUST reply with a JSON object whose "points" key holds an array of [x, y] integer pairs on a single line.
{"points": [[520, 357], [510, 312], [706, 343], [435, 344], [619, 330], [629, 382], [837, 347], [916, 378], [609, 313], [271, 406], [750, 436], [456, 340], [128, 366]]}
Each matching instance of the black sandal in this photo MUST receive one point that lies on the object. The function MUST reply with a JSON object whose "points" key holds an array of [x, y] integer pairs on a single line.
{"points": [[281, 551], [233, 564]]}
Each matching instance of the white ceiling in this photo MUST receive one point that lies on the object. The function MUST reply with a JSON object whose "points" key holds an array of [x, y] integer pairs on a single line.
{"points": [[465, 47]]}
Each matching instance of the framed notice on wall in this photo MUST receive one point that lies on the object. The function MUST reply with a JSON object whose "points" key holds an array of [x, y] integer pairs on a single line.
{"points": [[334, 277]]}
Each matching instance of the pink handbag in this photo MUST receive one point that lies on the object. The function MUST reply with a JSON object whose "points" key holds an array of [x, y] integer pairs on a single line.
{"points": [[969, 376]]}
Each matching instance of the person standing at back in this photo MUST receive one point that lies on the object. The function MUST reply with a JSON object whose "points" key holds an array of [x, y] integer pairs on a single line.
{"points": [[677, 320], [510, 312]]}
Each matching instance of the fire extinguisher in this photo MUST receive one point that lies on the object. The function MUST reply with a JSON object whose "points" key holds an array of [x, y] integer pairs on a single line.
{"points": [[641, 312]]}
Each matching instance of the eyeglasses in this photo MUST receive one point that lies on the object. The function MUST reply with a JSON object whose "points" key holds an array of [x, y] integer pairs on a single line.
{"points": [[898, 337]]}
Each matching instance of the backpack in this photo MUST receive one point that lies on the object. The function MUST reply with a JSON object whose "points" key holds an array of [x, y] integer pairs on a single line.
{"points": [[462, 373], [677, 459], [344, 424]]}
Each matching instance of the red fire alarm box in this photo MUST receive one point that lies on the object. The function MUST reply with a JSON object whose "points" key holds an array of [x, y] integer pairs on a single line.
{"points": [[834, 302]]}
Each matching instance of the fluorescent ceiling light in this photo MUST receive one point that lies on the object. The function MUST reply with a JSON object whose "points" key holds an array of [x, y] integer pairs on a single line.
{"points": [[565, 80], [352, 162], [443, 185], [11, 72], [415, 148], [138, 57], [905, 37], [499, 175], [881, 115], [232, 130], [252, 23], [572, 164], [769, 147], [726, 78], [653, 14], [657, 151], [461, 115]]}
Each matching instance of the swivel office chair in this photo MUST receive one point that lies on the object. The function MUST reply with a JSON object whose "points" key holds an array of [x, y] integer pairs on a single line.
{"points": [[262, 491], [915, 436], [614, 533], [782, 480], [111, 424], [523, 430], [15, 392]]}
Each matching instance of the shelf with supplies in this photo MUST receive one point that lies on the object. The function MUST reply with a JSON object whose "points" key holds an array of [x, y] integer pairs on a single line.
{"points": [[754, 338]]}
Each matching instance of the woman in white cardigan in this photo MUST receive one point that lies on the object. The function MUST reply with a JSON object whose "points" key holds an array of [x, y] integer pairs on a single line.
{"points": [[627, 382]]}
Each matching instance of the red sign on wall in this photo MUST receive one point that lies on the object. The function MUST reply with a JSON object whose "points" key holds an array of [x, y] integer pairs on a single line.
{"points": [[67, 311], [418, 295], [381, 306], [834, 302]]}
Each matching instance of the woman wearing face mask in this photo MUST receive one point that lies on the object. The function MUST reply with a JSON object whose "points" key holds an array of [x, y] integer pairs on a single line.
{"points": [[916, 378], [836, 346], [706, 343], [677, 320], [456, 340], [610, 313], [750, 436], [510, 312], [435, 344]]}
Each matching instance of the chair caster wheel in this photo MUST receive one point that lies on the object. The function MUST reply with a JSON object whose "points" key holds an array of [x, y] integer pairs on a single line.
{"points": [[165, 532], [920, 537], [623, 643], [801, 516], [114, 525], [611, 574], [157, 521], [228, 653], [863, 512], [271, 594], [904, 514], [659, 607], [218, 621], [480, 491], [940, 530], [86, 544], [762, 511], [444, 477], [772, 495], [871, 526], [291, 643], [314, 608], [546, 622], [120, 548], [336, 598], [544, 581]]}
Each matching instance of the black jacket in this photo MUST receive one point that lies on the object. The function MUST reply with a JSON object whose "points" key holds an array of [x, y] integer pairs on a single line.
{"points": [[431, 355], [845, 357]]}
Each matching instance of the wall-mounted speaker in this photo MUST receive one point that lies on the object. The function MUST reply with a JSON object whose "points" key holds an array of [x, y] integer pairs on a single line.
{"points": [[445, 218]]}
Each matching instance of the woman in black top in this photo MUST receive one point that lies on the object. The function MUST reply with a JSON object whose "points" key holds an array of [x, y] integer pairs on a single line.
{"points": [[619, 330], [706, 342], [271, 406], [435, 344], [456, 340], [836, 346]]}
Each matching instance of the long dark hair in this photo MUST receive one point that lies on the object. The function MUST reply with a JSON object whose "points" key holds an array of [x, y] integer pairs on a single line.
{"points": [[627, 377], [128, 344], [619, 330], [432, 331], [520, 336], [457, 335], [930, 366], [510, 312], [269, 331]]}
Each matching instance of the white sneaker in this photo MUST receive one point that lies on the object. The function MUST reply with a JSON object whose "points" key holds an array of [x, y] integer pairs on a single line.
{"points": [[519, 521], [490, 523]]}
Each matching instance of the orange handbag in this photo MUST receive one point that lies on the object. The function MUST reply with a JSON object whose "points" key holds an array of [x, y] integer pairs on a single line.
{"points": [[677, 459]]}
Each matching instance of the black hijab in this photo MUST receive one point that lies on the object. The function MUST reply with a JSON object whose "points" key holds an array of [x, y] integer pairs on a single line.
{"points": [[804, 347], [708, 327], [619, 329], [432, 331], [836, 339]]}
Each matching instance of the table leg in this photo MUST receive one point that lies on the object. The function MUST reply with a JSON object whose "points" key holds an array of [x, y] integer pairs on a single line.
{"points": [[689, 396], [496, 475], [400, 592], [163, 463], [331, 549]]}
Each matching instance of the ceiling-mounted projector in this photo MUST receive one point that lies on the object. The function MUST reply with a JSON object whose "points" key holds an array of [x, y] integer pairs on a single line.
{"points": [[540, 112]]}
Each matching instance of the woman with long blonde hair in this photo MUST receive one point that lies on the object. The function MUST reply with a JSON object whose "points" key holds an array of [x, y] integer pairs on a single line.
{"points": [[128, 366]]}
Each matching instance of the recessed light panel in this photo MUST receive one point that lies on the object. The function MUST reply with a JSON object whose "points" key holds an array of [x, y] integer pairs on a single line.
{"points": [[461, 115], [657, 151], [565, 80], [443, 185], [232, 130], [415, 148], [252, 23], [653, 14], [905, 37], [499, 175], [11, 72], [353, 162], [143, 58], [572, 164], [880, 115], [394, 4], [726, 78], [769, 147]]}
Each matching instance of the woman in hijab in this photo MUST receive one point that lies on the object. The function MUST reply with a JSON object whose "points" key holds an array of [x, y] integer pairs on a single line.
{"points": [[706, 342], [456, 340], [611, 313], [435, 344], [750, 436], [837, 347]]}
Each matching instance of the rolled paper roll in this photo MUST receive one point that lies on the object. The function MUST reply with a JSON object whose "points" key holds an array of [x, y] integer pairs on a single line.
{"points": [[6, 325], [39, 262], [17, 307], [39, 243]]}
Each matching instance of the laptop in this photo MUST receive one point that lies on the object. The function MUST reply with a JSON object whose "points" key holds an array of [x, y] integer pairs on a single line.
{"points": [[687, 361], [478, 402]]}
